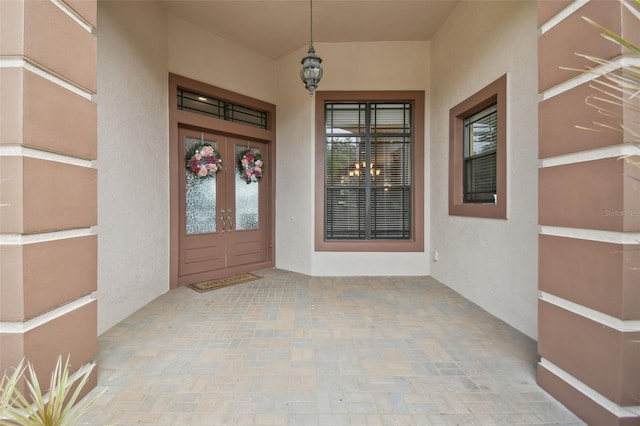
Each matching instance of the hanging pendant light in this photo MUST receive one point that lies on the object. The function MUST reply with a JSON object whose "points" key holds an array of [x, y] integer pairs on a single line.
{"points": [[311, 71]]}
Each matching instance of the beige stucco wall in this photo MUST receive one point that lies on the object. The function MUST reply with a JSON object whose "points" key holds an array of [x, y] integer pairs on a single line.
{"points": [[206, 57], [347, 66], [133, 158], [491, 262]]}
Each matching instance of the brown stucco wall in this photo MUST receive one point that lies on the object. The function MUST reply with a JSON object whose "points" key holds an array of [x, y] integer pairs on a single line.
{"points": [[589, 271], [48, 197]]}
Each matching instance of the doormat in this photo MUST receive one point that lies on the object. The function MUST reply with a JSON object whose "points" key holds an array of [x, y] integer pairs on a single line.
{"points": [[223, 282]]}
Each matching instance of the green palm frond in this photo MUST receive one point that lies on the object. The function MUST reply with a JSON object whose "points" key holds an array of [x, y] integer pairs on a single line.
{"points": [[7, 386], [57, 408], [617, 88], [610, 35]]}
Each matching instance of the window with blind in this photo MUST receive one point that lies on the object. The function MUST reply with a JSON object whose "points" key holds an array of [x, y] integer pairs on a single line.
{"points": [[478, 153], [367, 170], [369, 181], [480, 142]]}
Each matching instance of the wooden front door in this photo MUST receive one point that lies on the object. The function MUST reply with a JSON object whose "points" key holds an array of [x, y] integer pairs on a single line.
{"points": [[223, 220]]}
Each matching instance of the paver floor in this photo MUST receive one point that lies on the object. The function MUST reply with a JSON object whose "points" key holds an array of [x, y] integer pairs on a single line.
{"points": [[290, 349]]}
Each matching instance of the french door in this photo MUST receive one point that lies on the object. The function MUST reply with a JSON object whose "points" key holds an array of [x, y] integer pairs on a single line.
{"points": [[223, 220]]}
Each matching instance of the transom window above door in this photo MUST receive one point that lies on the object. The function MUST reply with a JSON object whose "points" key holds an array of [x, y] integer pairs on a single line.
{"points": [[370, 184], [219, 108]]}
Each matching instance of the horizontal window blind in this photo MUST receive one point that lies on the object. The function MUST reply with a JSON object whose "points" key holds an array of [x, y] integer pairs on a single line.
{"points": [[480, 142], [368, 150]]}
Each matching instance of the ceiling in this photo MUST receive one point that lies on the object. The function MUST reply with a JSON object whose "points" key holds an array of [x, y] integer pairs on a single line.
{"points": [[275, 28]]}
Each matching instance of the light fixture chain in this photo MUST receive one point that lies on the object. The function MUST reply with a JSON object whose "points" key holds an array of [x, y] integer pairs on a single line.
{"points": [[311, 25]]}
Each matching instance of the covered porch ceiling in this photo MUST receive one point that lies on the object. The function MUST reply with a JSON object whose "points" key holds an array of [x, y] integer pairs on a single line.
{"points": [[274, 28]]}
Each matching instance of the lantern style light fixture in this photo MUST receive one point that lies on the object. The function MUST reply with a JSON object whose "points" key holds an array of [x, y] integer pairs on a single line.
{"points": [[311, 71]]}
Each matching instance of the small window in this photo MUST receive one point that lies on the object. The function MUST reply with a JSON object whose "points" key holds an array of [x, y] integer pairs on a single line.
{"points": [[480, 143], [219, 108], [477, 154]]}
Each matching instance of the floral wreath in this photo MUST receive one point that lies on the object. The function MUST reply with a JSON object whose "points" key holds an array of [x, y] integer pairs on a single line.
{"points": [[250, 166], [203, 160]]}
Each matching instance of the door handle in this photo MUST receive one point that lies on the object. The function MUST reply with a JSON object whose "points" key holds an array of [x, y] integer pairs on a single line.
{"points": [[229, 220], [223, 220]]}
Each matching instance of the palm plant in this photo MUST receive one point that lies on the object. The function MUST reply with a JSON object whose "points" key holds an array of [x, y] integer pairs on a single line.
{"points": [[57, 408], [7, 386], [619, 86]]}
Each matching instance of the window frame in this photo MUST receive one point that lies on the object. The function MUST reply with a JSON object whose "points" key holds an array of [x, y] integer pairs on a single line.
{"points": [[495, 92], [416, 242]]}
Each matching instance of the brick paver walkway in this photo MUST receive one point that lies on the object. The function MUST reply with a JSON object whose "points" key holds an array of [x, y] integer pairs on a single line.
{"points": [[292, 349]]}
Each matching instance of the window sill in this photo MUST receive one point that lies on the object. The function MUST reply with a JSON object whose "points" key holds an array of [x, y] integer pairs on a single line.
{"points": [[482, 210], [369, 246]]}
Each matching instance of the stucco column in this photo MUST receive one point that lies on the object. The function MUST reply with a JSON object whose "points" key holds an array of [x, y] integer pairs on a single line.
{"points": [[48, 184], [589, 216]]}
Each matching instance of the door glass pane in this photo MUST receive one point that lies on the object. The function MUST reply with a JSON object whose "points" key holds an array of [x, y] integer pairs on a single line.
{"points": [[200, 197], [246, 197]]}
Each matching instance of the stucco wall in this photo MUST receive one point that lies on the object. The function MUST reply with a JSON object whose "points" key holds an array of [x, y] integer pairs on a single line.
{"points": [[491, 262], [206, 57], [133, 174], [348, 66]]}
